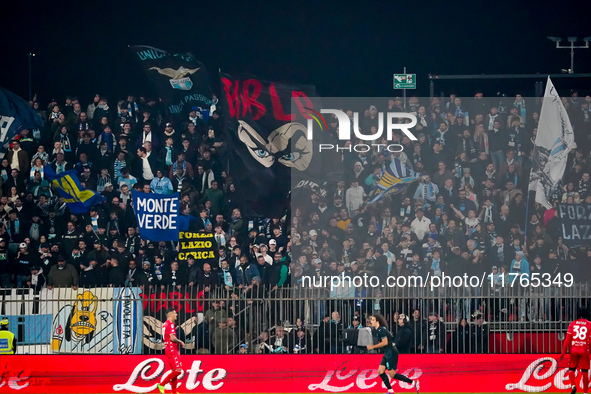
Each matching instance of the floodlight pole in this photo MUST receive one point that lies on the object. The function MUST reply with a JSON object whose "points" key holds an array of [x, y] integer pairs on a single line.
{"points": [[572, 48]]}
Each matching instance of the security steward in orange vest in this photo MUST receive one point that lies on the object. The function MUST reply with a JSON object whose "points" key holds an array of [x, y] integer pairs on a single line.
{"points": [[7, 339]]}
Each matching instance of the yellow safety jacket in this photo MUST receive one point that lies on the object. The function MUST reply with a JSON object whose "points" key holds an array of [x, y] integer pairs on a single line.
{"points": [[6, 342]]}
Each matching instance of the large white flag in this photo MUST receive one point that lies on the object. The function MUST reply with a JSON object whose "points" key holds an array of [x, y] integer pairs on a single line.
{"points": [[554, 141]]}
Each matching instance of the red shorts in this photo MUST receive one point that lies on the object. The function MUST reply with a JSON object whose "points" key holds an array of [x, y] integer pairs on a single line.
{"points": [[174, 359], [579, 360]]}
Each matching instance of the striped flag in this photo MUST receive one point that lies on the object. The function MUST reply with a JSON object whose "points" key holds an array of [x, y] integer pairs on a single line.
{"points": [[395, 179]]}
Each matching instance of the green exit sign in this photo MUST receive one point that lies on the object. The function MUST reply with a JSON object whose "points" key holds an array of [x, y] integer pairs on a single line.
{"points": [[405, 81]]}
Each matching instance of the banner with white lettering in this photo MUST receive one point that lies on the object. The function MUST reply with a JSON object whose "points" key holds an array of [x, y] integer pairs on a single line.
{"points": [[575, 220], [158, 216], [201, 246], [128, 315]]}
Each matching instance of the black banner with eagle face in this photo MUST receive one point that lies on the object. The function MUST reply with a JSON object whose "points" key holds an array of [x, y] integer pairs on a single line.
{"points": [[269, 146], [180, 80]]}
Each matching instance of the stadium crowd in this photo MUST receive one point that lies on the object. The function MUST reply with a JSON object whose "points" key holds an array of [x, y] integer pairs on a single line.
{"points": [[467, 215]]}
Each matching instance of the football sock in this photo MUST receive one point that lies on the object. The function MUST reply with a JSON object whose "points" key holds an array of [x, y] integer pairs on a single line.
{"points": [[172, 376], [585, 381], [402, 378], [571, 375], [386, 380]]}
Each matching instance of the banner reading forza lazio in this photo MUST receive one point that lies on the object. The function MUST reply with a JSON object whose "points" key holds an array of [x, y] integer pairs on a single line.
{"points": [[201, 246], [575, 220], [100, 320], [268, 142], [180, 79]]}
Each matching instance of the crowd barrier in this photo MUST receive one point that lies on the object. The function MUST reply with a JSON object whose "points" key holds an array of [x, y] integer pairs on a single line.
{"points": [[129, 320]]}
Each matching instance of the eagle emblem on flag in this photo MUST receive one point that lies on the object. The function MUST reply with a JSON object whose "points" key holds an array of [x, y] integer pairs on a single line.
{"points": [[178, 78]]}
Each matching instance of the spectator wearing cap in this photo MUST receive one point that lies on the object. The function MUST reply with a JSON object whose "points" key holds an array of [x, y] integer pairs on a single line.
{"points": [[519, 265], [24, 261], [480, 333], [99, 253], [62, 275], [274, 248], [36, 279], [170, 132], [243, 349], [8, 343]]}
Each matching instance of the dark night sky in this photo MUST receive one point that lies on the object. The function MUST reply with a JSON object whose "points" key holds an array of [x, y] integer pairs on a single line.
{"points": [[345, 48]]}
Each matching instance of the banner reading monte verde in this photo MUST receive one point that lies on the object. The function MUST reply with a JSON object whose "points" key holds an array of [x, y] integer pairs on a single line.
{"points": [[158, 216], [200, 246]]}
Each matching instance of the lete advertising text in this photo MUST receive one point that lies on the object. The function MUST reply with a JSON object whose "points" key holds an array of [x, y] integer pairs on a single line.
{"points": [[288, 374]]}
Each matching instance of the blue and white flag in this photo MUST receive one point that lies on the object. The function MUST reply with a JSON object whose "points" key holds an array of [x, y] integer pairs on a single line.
{"points": [[158, 216], [554, 141], [128, 315], [395, 179], [15, 115]]}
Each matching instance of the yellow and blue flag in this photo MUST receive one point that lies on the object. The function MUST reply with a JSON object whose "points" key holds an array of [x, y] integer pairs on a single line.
{"points": [[395, 179], [67, 184]]}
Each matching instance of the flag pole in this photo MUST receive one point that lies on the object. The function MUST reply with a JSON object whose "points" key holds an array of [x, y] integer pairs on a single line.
{"points": [[526, 214]]}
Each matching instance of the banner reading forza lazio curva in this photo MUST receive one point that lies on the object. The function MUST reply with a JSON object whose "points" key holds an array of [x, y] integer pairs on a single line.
{"points": [[201, 246], [441, 373]]}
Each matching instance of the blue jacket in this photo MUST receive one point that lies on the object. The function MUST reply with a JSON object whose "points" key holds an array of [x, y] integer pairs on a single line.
{"points": [[524, 269], [245, 274]]}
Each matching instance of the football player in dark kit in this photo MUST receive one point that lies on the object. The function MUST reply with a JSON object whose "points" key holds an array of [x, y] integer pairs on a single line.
{"points": [[390, 358]]}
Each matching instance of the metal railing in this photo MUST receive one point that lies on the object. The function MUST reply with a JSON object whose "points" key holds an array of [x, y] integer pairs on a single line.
{"points": [[295, 320]]}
